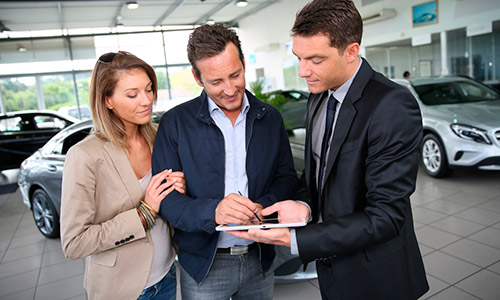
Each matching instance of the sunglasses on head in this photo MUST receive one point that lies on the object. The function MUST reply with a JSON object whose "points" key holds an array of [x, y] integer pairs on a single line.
{"points": [[108, 57]]}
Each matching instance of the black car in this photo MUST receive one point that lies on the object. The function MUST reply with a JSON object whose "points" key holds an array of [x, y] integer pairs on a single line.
{"points": [[23, 132], [292, 95]]}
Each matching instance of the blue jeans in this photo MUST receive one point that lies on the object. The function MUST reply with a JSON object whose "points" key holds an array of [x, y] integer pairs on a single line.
{"points": [[163, 290], [239, 277]]}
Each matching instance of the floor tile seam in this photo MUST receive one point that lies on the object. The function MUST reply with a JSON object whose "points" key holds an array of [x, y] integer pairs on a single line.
{"points": [[464, 260], [309, 282], [479, 242], [40, 270], [20, 273], [487, 227], [52, 282], [73, 297], [24, 245], [433, 250], [12, 238], [450, 286], [446, 213], [444, 230], [467, 277], [473, 221], [460, 280], [440, 219], [8, 295], [498, 261], [432, 295], [494, 210]]}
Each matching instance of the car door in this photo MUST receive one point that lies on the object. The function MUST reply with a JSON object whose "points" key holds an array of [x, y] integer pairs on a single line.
{"points": [[52, 163]]}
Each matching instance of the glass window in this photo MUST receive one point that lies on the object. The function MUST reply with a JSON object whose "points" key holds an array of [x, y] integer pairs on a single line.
{"points": [[58, 91], [458, 55], [10, 124], [182, 83], [63, 145], [482, 57], [175, 46], [454, 92], [19, 93], [49, 122]]}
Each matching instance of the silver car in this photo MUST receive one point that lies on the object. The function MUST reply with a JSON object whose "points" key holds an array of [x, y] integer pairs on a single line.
{"points": [[461, 119], [40, 180]]}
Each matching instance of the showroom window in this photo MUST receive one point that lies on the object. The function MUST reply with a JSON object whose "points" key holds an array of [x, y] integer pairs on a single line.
{"points": [[54, 72]]}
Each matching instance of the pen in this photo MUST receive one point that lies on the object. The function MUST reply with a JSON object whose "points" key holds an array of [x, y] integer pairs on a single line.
{"points": [[255, 214]]}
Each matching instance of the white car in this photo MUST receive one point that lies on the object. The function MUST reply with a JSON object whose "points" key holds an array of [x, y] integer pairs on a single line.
{"points": [[461, 120]]}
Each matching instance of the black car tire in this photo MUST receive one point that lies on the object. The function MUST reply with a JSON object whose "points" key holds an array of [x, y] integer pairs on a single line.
{"points": [[45, 214], [433, 157]]}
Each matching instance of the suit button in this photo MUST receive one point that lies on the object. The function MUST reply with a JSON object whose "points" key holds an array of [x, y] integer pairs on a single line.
{"points": [[122, 241], [117, 243], [127, 239], [131, 236]]}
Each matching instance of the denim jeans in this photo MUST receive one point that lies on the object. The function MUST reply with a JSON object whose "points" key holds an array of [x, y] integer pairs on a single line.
{"points": [[163, 290], [239, 277]]}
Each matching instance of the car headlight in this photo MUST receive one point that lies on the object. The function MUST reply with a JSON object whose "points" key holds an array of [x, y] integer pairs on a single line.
{"points": [[471, 133]]}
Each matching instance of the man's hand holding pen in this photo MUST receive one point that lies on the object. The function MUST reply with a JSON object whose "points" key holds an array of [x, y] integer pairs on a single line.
{"points": [[236, 209]]}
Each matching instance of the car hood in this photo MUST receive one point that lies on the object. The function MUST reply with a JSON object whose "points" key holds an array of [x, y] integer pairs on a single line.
{"points": [[484, 114]]}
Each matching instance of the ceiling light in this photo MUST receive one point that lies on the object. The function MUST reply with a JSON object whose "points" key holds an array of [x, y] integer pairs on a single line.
{"points": [[210, 22], [21, 49], [132, 5], [241, 3]]}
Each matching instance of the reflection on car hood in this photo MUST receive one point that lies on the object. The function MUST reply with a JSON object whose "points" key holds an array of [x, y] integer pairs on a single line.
{"points": [[484, 114]]}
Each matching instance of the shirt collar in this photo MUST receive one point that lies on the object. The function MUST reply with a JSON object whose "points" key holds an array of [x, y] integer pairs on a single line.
{"points": [[341, 92], [213, 107]]}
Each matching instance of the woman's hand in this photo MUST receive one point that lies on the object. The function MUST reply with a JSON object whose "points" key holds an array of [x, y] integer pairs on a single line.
{"points": [[156, 190], [179, 181]]}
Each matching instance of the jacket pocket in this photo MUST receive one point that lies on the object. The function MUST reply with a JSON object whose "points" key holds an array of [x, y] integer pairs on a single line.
{"points": [[106, 258], [378, 251]]}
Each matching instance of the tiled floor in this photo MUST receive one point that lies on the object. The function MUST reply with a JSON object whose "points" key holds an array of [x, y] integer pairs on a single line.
{"points": [[457, 222]]}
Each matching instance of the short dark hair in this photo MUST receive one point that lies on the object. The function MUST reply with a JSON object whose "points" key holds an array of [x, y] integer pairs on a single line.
{"points": [[210, 40], [337, 19]]}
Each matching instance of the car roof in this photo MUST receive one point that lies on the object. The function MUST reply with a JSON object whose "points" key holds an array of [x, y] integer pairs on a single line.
{"points": [[37, 112], [434, 80]]}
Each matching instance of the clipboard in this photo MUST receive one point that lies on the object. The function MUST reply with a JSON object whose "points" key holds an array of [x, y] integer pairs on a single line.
{"points": [[265, 224]]}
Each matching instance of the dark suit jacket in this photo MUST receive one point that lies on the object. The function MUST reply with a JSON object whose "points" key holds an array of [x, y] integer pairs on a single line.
{"points": [[367, 233]]}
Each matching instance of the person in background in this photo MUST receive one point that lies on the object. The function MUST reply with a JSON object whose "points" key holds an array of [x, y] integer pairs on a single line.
{"points": [[236, 157], [406, 75], [363, 135], [110, 199]]}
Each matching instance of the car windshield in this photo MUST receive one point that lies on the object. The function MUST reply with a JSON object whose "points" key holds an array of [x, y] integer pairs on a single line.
{"points": [[454, 92]]}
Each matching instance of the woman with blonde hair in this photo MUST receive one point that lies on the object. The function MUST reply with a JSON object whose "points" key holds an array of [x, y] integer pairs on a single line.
{"points": [[110, 201]]}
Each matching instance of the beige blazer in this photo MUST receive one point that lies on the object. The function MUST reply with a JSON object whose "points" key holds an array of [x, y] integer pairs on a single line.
{"points": [[99, 221]]}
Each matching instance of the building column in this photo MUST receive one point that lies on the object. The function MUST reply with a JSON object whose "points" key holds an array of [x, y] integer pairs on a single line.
{"points": [[39, 94], [444, 54], [2, 106]]}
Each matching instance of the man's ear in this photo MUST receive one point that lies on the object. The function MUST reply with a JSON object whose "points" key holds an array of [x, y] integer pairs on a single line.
{"points": [[108, 103], [352, 52], [198, 80]]}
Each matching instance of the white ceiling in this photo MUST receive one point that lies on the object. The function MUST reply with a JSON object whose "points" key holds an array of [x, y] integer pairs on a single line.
{"points": [[66, 14]]}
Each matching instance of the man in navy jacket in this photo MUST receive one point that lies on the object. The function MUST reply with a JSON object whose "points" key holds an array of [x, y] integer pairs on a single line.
{"points": [[236, 158]]}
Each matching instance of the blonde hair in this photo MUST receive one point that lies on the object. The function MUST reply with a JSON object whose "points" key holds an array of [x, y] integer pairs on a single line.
{"points": [[106, 74]]}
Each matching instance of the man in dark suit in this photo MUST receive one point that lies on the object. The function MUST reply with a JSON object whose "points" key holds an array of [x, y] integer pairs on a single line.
{"points": [[361, 161]]}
